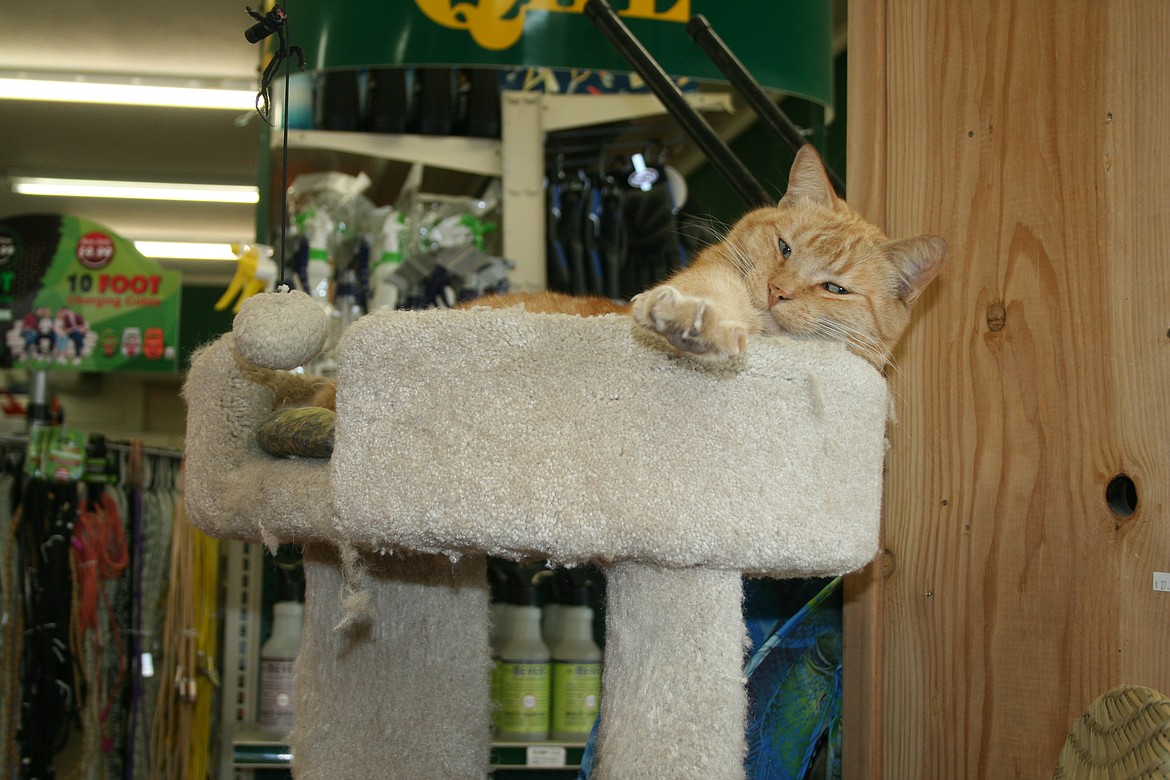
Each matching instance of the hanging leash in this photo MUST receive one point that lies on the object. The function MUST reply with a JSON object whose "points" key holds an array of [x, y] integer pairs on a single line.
{"points": [[49, 695], [100, 552]]}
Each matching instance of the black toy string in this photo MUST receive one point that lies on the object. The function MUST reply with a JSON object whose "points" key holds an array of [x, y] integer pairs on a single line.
{"points": [[276, 21]]}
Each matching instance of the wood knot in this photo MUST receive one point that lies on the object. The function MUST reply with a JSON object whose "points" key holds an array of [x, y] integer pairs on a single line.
{"points": [[996, 317]]}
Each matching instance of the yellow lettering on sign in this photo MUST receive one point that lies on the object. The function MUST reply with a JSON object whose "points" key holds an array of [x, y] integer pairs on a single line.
{"points": [[484, 20], [575, 7], [644, 9], [498, 24]]}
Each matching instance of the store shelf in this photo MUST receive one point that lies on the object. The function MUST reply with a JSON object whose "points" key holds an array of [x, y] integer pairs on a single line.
{"points": [[255, 748], [537, 755], [484, 155], [563, 112], [456, 153]]}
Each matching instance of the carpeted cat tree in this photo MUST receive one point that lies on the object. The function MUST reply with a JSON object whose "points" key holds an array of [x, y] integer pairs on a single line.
{"points": [[462, 434]]}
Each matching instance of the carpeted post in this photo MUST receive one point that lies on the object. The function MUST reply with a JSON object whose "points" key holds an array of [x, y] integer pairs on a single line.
{"points": [[463, 434], [400, 691], [673, 703]]}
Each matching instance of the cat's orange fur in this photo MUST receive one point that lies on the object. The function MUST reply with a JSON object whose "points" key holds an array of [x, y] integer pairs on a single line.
{"points": [[809, 266]]}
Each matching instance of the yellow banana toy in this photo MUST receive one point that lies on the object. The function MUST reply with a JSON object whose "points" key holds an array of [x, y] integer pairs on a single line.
{"points": [[255, 272]]}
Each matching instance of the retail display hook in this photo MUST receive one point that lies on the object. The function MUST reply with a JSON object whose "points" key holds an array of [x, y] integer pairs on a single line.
{"points": [[741, 79], [713, 147], [716, 151]]}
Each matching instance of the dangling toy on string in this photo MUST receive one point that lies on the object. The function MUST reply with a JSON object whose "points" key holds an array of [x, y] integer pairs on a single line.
{"points": [[276, 21]]}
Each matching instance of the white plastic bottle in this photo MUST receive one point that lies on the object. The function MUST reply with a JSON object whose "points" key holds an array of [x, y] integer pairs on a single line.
{"points": [[385, 261], [576, 667], [276, 666], [521, 681], [319, 228]]}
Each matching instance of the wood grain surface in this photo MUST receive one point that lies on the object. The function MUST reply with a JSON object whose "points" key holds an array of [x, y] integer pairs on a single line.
{"points": [[1035, 138]]}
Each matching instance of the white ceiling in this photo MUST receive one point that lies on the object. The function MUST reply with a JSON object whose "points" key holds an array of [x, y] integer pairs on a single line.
{"points": [[130, 37]]}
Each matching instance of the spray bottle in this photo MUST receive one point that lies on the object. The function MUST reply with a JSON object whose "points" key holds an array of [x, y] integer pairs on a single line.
{"points": [[386, 259], [317, 227]]}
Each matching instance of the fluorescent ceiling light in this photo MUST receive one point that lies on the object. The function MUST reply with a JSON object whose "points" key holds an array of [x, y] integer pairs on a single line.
{"points": [[87, 188], [185, 250], [126, 91]]}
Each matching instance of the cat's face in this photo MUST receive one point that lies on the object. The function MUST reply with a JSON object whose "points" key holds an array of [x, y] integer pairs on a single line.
{"points": [[814, 267]]}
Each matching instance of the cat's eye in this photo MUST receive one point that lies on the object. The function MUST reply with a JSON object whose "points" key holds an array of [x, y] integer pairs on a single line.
{"points": [[836, 289], [785, 250]]}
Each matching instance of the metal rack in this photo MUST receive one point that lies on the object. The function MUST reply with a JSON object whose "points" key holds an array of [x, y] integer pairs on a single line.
{"points": [[239, 691]]}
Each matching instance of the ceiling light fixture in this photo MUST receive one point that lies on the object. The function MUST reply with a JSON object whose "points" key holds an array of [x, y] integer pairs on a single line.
{"points": [[128, 91], [87, 188], [185, 250]]}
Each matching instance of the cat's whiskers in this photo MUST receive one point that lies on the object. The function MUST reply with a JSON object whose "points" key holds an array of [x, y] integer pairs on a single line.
{"points": [[864, 343], [861, 341], [872, 349], [717, 226], [738, 256]]}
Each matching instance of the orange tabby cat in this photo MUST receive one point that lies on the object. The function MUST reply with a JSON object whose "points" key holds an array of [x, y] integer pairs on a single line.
{"points": [[551, 303], [809, 266]]}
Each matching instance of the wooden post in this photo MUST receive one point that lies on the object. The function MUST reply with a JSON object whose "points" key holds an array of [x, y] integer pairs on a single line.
{"points": [[1026, 497]]}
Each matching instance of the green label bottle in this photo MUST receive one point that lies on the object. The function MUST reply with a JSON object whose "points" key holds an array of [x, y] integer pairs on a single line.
{"points": [[521, 681], [576, 689], [522, 700], [576, 673]]}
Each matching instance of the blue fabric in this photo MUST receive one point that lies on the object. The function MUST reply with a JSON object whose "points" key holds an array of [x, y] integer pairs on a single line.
{"points": [[590, 749], [794, 691]]}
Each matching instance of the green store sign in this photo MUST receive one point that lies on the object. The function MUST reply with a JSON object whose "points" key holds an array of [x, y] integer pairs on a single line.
{"points": [[75, 295], [785, 44]]}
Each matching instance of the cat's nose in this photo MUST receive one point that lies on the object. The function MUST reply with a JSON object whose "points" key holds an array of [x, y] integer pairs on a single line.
{"points": [[776, 294]]}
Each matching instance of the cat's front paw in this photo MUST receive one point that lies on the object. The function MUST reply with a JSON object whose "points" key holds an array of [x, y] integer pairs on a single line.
{"points": [[689, 323]]}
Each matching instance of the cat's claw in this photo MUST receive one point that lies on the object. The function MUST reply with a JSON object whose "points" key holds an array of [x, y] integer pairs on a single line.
{"points": [[689, 324]]}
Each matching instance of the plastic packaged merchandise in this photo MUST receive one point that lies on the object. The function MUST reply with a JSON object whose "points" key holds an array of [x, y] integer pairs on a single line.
{"points": [[386, 259]]}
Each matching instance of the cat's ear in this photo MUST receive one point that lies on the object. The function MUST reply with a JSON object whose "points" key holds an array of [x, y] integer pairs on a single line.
{"points": [[917, 260], [807, 181]]}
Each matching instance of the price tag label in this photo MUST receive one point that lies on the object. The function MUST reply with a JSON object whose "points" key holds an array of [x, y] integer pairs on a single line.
{"points": [[95, 250], [545, 755], [1162, 581]]}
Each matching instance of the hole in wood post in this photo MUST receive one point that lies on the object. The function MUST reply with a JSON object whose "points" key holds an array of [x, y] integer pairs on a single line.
{"points": [[1121, 496], [996, 317]]}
